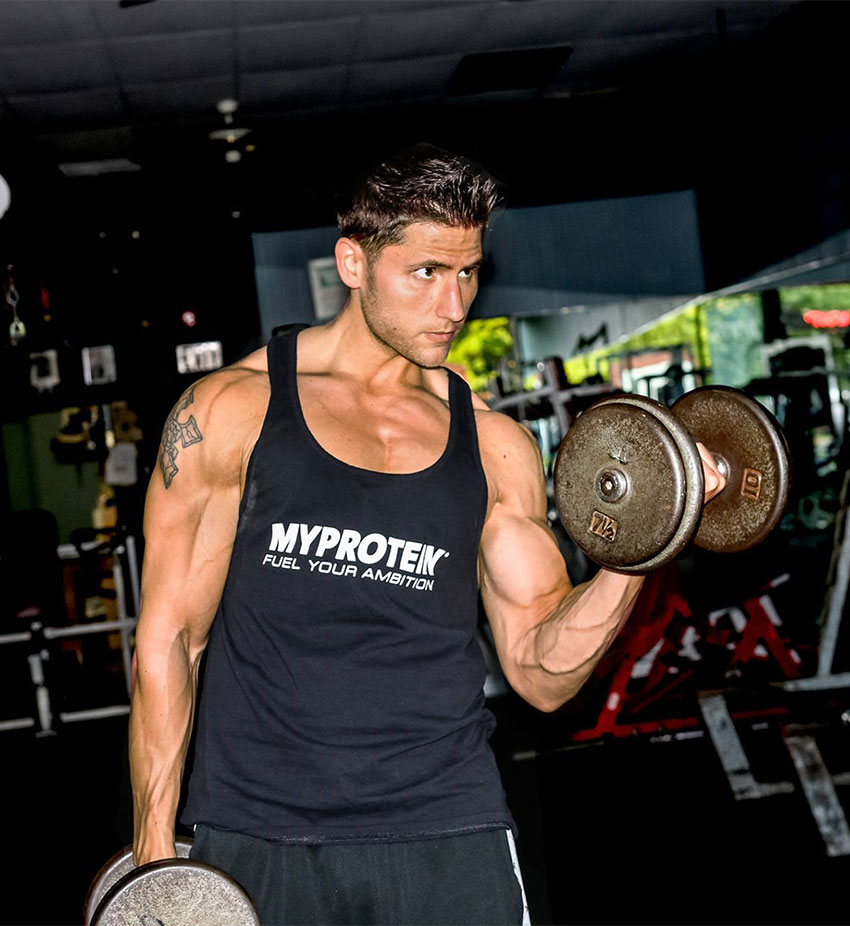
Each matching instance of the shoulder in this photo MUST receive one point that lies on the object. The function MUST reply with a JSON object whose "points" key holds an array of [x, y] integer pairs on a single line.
{"points": [[500, 437], [509, 454], [238, 387], [222, 413]]}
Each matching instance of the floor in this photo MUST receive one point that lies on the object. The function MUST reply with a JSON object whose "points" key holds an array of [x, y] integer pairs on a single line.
{"points": [[627, 830], [622, 832]]}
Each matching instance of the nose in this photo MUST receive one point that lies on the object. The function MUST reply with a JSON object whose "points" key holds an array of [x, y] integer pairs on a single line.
{"points": [[452, 305]]}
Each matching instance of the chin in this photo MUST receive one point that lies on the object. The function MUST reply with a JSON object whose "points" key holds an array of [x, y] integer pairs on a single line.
{"points": [[428, 359], [433, 361]]}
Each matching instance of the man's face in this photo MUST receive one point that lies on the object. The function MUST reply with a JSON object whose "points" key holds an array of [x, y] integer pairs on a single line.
{"points": [[417, 294]]}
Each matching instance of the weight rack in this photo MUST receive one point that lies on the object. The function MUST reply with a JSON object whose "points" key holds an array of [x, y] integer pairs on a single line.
{"points": [[39, 640]]}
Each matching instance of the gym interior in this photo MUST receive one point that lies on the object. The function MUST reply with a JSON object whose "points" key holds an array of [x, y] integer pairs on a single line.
{"points": [[676, 215]]}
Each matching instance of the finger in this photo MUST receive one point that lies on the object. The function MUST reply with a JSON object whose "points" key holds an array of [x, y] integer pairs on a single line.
{"points": [[715, 481]]}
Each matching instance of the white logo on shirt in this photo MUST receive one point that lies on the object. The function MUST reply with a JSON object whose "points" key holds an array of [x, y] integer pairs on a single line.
{"points": [[406, 562]]}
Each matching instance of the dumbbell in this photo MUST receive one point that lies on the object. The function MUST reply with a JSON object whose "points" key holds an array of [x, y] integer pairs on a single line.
{"points": [[171, 892], [629, 484]]}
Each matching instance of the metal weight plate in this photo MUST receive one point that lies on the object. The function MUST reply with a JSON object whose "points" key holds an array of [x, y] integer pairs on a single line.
{"points": [[119, 865], [175, 892], [629, 484], [754, 450]]}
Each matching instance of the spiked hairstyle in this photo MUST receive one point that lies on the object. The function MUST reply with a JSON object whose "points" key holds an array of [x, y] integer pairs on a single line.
{"points": [[420, 184]]}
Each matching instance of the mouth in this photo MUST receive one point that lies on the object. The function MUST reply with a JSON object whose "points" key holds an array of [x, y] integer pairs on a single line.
{"points": [[440, 337]]}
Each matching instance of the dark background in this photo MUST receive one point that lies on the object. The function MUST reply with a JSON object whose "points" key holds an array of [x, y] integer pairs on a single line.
{"points": [[630, 831]]}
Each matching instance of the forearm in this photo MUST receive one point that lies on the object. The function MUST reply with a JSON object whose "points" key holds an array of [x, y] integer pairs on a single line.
{"points": [[160, 727], [561, 652]]}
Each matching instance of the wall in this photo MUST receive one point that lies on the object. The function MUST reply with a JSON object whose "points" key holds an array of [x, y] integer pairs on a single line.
{"points": [[280, 268], [36, 480], [611, 252]]}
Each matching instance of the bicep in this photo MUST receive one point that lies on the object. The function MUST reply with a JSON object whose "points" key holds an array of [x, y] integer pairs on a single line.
{"points": [[188, 541], [523, 573], [190, 524]]}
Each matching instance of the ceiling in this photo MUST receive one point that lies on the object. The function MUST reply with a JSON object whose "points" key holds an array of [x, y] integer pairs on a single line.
{"points": [[98, 80]]}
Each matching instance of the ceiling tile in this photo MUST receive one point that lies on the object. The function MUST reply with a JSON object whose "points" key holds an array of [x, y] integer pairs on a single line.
{"points": [[653, 16], [406, 34], [67, 67], [422, 78], [294, 90], [755, 12], [537, 22], [86, 107], [267, 12], [193, 97], [29, 22], [178, 57], [611, 55], [91, 143], [163, 17], [297, 45]]}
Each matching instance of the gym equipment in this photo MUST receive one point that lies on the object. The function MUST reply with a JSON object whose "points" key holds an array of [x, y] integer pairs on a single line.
{"points": [[556, 397], [39, 644], [629, 483], [172, 892], [114, 870], [753, 455]]}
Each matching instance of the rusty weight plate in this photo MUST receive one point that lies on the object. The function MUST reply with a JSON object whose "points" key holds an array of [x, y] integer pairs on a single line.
{"points": [[629, 484], [176, 892], [753, 448], [119, 865]]}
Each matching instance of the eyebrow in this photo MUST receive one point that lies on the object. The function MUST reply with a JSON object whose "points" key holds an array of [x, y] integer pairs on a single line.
{"points": [[440, 265]]}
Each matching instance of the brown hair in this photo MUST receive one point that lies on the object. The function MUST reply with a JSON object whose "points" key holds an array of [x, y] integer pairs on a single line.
{"points": [[420, 184]]}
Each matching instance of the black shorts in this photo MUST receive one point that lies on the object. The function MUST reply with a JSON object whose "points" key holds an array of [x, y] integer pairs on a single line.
{"points": [[465, 879]]}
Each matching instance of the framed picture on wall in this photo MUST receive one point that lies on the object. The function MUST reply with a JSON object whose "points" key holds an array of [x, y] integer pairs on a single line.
{"points": [[99, 365], [44, 370], [199, 358]]}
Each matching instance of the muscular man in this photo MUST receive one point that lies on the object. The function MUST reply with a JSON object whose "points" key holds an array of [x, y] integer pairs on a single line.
{"points": [[324, 517]]}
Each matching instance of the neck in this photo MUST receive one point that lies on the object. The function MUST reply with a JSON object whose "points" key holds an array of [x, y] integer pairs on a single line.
{"points": [[351, 349]]}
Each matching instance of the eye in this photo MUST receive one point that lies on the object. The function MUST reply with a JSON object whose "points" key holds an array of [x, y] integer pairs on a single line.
{"points": [[468, 273], [425, 273]]}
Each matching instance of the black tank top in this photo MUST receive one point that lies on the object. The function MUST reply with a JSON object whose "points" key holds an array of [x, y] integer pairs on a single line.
{"points": [[342, 694]]}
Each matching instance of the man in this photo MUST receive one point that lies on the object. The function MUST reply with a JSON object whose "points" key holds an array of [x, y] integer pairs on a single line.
{"points": [[326, 512]]}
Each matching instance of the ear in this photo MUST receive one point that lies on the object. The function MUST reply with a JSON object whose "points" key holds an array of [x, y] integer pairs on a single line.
{"points": [[350, 262]]}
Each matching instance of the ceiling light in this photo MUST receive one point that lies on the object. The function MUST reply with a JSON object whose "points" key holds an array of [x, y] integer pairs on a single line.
{"points": [[5, 196], [227, 106], [230, 134]]}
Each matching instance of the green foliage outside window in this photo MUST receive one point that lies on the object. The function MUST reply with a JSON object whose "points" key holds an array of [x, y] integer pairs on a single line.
{"points": [[725, 334], [685, 326], [800, 299], [735, 336], [479, 347]]}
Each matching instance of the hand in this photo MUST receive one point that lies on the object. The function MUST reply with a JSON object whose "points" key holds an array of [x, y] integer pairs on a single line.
{"points": [[715, 481], [152, 850]]}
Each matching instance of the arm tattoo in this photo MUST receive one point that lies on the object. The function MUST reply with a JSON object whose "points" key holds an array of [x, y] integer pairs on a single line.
{"points": [[184, 433]]}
